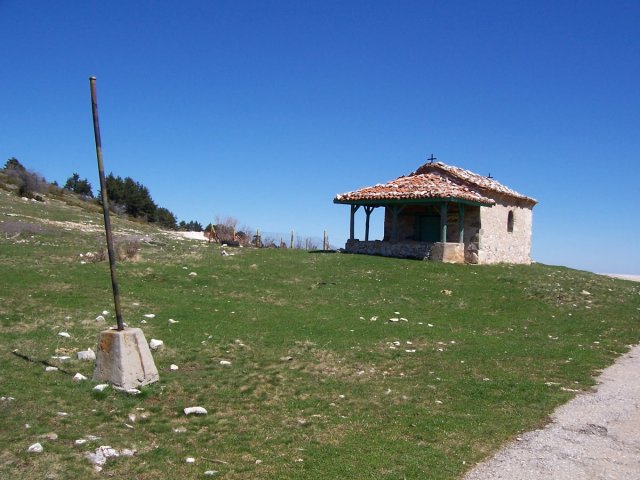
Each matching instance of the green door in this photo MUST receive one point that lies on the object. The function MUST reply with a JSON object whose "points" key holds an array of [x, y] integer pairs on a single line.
{"points": [[428, 229]]}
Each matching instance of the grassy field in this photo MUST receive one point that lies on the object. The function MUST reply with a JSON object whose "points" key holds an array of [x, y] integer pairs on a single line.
{"points": [[322, 383]]}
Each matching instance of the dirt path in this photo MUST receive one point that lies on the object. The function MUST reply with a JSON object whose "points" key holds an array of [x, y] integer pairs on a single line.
{"points": [[594, 436]]}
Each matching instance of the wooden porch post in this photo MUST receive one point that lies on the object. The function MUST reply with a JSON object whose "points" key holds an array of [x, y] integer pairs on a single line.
{"points": [[354, 209], [443, 221], [368, 211], [395, 210], [461, 221]]}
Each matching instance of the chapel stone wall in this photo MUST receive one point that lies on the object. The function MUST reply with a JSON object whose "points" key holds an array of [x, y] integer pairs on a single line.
{"points": [[501, 241]]}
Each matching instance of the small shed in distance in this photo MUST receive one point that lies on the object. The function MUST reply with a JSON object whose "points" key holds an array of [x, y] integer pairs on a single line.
{"points": [[447, 214]]}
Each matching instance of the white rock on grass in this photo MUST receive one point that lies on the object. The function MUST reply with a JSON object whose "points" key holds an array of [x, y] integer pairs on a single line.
{"points": [[195, 411], [101, 387], [155, 344], [105, 312], [99, 318], [225, 363], [51, 369], [101, 454], [78, 377], [87, 355], [190, 460], [62, 358], [130, 391], [210, 473], [173, 366], [35, 448], [150, 315], [171, 320], [64, 334], [193, 274]]}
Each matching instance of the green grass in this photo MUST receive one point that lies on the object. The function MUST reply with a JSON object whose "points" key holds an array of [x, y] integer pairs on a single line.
{"points": [[315, 389]]}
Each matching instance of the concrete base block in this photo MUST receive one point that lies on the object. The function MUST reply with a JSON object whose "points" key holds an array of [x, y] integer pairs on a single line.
{"points": [[123, 359], [447, 252]]}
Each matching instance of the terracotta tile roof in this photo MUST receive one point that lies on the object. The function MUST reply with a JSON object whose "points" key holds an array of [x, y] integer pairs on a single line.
{"points": [[434, 181], [485, 183]]}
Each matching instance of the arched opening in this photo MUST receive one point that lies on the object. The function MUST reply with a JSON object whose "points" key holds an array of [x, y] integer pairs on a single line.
{"points": [[510, 222]]}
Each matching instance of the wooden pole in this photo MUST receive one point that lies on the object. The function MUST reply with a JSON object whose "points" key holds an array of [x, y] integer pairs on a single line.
{"points": [[105, 204], [291, 243]]}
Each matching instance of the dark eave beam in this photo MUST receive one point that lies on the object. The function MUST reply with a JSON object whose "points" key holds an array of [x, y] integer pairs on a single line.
{"points": [[411, 201]]}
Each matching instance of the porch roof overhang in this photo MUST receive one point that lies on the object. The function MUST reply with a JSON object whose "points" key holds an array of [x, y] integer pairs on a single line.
{"points": [[411, 201], [423, 188]]}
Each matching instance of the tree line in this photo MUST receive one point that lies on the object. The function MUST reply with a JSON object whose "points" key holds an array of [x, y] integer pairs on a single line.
{"points": [[126, 196]]}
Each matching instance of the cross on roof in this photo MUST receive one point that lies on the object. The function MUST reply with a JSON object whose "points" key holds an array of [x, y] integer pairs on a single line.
{"points": [[431, 158]]}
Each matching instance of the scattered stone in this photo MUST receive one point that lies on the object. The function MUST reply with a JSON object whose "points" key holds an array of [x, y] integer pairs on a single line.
{"points": [[144, 322], [49, 436], [99, 318], [101, 387], [286, 359], [446, 292], [155, 344], [105, 312], [195, 410], [193, 274], [51, 369], [150, 315], [64, 334], [374, 318], [87, 355], [171, 320], [101, 454], [210, 473], [78, 377], [584, 292], [7, 399], [190, 460], [258, 462], [173, 366], [179, 430], [130, 391], [225, 362], [62, 414], [35, 448], [394, 320], [62, 358]]}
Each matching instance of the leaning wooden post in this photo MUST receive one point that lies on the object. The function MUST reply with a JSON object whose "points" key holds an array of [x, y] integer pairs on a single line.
{"points": [[291, 243], [105, 204], [123, 356]]}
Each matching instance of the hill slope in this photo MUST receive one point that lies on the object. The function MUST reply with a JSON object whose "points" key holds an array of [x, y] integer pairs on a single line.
{"points": [[341, 366]]}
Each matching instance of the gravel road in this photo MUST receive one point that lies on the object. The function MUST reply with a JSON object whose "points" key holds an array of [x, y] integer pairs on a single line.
{"points": [[595, 436]]}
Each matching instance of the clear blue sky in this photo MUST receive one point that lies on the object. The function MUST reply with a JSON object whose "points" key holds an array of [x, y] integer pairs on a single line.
{"points": [[264, 110]]}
